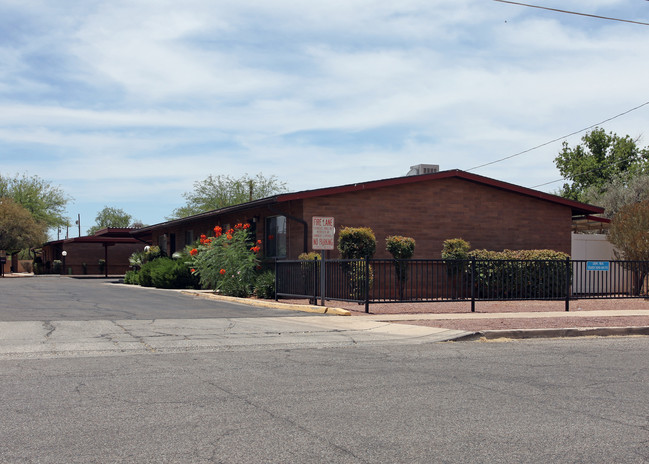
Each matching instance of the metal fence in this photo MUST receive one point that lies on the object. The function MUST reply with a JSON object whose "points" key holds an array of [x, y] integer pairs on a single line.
{"points": [[432, 280]]}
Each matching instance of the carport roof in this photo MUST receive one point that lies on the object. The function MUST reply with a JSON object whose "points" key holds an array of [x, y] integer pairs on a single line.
{"points": [[108, 236]]}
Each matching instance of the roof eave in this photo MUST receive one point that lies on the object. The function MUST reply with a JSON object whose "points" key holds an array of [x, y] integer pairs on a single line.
{"points": [[207, 215]]}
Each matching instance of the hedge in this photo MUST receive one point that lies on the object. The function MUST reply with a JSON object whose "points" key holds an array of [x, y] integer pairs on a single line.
{"points": [[520, 274]]}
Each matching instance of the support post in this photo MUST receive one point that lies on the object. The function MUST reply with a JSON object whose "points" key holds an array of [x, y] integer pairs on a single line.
{"points": [[276, 279], [367, 285], [568, 274], [105, 260], [473, 284], [316, 280]]}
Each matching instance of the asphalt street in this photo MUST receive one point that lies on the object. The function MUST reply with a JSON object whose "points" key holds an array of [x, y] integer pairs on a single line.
{"points": [[537, 401], [92, 373]]}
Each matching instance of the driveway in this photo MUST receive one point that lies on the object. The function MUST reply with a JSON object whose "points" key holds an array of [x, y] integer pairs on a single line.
{"points": [[67, 317], [46, 298]]}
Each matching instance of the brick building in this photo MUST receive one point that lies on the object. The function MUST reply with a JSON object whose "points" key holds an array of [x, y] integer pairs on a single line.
{"points": [[104, 253], [430, 208]]}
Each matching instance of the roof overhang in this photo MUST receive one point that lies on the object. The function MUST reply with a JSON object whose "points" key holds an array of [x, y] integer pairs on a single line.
{"points": [[207, 215], [590, 223]]}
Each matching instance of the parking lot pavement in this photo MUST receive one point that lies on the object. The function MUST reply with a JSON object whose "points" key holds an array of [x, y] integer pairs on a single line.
{"points": [[45, 298]]}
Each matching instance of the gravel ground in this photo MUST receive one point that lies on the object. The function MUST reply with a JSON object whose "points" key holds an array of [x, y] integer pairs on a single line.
{"points": [[485, 307]]}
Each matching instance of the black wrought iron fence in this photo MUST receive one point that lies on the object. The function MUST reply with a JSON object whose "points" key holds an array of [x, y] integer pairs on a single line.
{"points": [[431, 280]]}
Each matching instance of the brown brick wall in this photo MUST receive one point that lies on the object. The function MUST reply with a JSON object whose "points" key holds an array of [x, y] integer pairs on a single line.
{"points": [[432, 212], [90, 254]]}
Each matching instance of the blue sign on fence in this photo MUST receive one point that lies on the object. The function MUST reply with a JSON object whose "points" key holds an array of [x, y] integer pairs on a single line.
{"points": [[598, 266]]}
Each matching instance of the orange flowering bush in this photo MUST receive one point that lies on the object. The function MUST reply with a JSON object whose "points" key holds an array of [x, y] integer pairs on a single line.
{"points": [[226, 262]]}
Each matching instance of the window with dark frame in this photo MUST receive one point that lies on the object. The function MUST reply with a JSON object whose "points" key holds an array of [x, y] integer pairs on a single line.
{"points": [[276, 237], [189, 237]]}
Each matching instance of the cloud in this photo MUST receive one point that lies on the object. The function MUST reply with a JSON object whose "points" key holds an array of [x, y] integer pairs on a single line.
{"points": [[111, 98]]}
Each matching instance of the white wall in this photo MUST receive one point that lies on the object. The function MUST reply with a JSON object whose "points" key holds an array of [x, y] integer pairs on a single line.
{"points": [[596, 247], [592, 247]]}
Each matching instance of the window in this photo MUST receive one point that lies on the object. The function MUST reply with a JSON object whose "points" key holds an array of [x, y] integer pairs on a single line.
{"points": [[172, 244], [276, 237], [189, 237], [162, 243]]}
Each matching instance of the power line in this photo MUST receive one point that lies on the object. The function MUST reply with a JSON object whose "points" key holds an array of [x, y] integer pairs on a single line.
{"points": [[599, 168], [573, 12], [558, 138]]}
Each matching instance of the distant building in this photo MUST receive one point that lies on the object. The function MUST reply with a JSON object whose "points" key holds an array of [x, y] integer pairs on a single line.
{"points": [[104, 253]]}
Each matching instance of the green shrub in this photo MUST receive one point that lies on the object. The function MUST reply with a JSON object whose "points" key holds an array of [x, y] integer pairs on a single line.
{"points": [[310, 256], [456, 249], [38, 267], [401, 248], [520, 273], [356, 279], [456, 253], [131, 278], [144, 275], [265, 285], [356, 243], [227, 262], [139, 258], [163, 273], [57, 264], [309, 267], [167, 273]]}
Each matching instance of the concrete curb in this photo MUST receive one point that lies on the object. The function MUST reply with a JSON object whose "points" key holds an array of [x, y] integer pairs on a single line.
{"points": [[519, 334], [271, 304]]}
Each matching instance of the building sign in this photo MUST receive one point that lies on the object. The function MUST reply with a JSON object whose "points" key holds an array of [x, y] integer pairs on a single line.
{"points": [[323, 231], [598, 266]]}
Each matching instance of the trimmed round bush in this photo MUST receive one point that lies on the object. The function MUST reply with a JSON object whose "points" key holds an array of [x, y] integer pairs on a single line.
{"points": [[356, 243]]}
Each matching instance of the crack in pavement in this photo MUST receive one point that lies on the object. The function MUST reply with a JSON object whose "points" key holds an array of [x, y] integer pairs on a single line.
{"points": [[47, 325], [138, 338], [284, 419]]}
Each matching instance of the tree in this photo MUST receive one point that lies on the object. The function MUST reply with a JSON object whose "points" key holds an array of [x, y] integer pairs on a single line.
{"points": [[600, 159], [18, 227], [619, 192], [629, 232], [219, 191], [45, 202], [112, 217]]}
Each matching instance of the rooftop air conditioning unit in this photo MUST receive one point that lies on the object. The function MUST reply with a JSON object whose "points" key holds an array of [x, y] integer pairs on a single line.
{"points": [[423, 169]]}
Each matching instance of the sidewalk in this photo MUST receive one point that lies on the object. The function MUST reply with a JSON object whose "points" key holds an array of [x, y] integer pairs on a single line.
{"points": [[514, 319]]}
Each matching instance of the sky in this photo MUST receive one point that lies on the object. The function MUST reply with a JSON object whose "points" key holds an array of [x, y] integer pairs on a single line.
{"points": [[128, 103]]}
